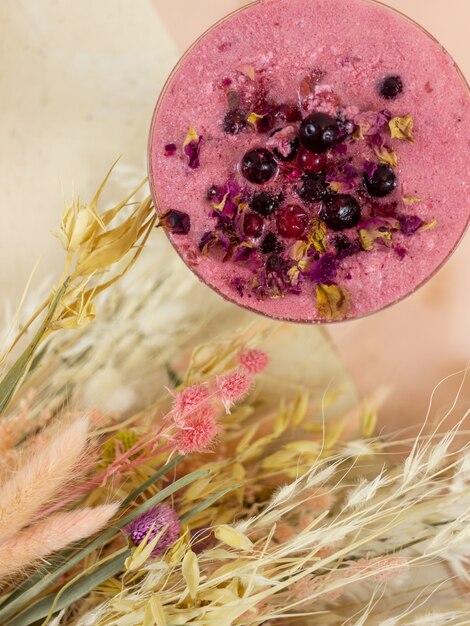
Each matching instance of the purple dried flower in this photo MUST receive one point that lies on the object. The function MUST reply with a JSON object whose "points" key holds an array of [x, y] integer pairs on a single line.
{"points": [[370, 168], [340, 148], [153, 522], [170, 149], [410, 224], [400, 250], [324, 270], [215, 241], [192, 150], [242, 253], [178, 222]]}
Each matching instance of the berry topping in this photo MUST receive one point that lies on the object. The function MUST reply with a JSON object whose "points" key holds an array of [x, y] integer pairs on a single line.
{"points": [[234, 122], [258, 166], [340, 211], [271, 244], [265, 123], [312, 189], [382, 182], [292, 221], [177, 222], [170, 149], [253, 225], [284, 143], [311, 163], [319, 132], [288, 113], [265, 204], [213, 193], [275, 263], [391, 87]]}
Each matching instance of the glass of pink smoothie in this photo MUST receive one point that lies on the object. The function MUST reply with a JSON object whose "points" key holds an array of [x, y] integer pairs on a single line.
{"points": [[309, 159]]}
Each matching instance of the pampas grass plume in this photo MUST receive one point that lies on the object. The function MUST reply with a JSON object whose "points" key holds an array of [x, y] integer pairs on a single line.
{"points": [[51, 535], [45, 472]]}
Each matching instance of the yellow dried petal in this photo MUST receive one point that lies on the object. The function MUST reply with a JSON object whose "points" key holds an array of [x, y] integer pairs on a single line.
{"points": [[429, 226], [191, 136], [402, 128], [332, 302], [387, 156], [233, 538], [253, 118], [248, 70], [411, 199]]}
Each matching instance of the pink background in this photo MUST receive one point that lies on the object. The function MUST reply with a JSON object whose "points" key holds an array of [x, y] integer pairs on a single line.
{"points": [[79, 82]]}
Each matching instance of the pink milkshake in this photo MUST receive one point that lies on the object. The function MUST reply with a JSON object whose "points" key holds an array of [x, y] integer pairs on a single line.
{"points": [[309, 159]]}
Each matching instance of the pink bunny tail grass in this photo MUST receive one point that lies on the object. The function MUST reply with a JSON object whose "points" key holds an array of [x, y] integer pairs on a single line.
{"points": [[51, 535], [233, 386], [198, 433], [253, 361], [43, 473]]}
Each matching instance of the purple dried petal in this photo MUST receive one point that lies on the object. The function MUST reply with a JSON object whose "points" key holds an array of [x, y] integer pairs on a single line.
{"points": [[242, 253], [350, 172], [376, 140], [170, 149], [370, 168], [340, 148], [239, 285], [410, 224], [192, 150], [400, 250], [384, 209], [177, 222], [380, 223], [212, 241], [345, 247], [324, 270]]}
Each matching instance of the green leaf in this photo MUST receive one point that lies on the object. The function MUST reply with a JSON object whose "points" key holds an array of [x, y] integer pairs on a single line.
{"points": [[13, 604], [19, 369], [55, 602]]}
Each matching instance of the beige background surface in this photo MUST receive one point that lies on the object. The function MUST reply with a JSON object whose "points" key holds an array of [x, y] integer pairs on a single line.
{"points": [[78, 83]]}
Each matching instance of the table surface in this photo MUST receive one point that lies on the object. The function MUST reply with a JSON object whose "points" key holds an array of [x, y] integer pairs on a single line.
{"points": [[79, 82]]}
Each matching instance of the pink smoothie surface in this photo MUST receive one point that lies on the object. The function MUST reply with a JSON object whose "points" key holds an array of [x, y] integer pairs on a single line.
{"points": [[345, 48]]}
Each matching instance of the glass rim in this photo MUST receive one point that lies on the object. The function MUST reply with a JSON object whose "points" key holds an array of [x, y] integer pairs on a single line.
{"points": [[157, 204]]}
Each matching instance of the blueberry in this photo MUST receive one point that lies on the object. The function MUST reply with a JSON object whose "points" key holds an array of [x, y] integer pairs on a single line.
{"points": [[382, 182], [340, 211], [265, 204], [234, 122], [271, 244], [319, 132], [391, 87], [312, 189], [258, 166]]}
